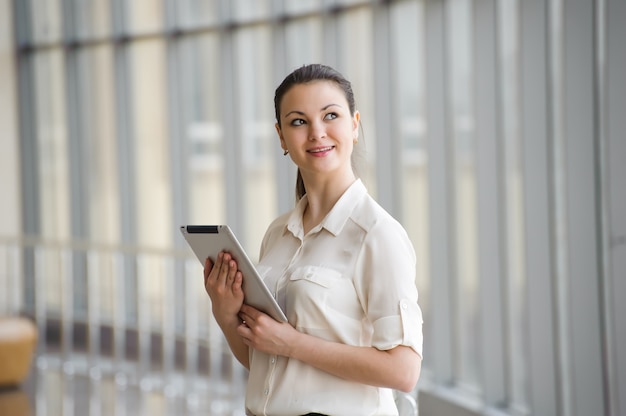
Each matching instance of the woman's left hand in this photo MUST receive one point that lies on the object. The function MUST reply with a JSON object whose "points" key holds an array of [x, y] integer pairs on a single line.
{"points": [[262, 332]]}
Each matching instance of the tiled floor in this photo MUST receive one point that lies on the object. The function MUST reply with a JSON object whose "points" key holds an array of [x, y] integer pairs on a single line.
{"points": [[55, 388], [62, 390]]}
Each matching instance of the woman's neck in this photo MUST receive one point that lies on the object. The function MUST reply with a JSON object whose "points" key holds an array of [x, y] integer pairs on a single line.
{"points": [[322, 195]]}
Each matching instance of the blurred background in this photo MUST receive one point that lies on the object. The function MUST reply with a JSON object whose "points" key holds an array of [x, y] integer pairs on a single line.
{"points": [[493, 130]]}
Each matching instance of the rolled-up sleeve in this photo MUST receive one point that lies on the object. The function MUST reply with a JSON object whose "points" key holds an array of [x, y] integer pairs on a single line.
{"points": [[402, 329], [385, 280]]}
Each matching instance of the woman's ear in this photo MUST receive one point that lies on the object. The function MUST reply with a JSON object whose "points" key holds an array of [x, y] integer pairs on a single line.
{"points": [[355, 124], [280, 136]]}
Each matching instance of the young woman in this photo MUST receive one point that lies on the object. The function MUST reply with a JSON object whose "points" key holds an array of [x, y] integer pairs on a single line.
{"points": [[341, 267]]}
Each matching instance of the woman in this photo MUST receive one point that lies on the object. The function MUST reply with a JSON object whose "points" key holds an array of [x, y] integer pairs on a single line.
{"points": [[341, 268]]}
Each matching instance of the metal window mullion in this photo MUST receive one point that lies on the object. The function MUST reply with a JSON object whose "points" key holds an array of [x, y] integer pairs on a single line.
{"points": [[557, 185], [178, 157], [233, 167], [178, 143], [234, 188], [285, 172], [78, 171], [70, 22], [125, 154], [119, 17], [27, 125], [440, 183], [538, 250], [490, 197], [23, 25], [580, 282], [330, 32], [172, 19], [614, 228], [609, 364], [29, 146], [388, 146], [125, 143]]}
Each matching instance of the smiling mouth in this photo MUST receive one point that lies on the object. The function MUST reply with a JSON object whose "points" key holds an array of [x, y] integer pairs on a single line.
{"points": [[321, 149]]}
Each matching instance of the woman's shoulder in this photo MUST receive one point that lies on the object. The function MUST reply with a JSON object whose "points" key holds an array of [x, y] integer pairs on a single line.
{"points": [[370, 215], [279, 222], [277, 226]]}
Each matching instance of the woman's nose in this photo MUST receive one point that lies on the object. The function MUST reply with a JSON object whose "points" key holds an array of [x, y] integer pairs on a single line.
{"points": [[316, 130]]}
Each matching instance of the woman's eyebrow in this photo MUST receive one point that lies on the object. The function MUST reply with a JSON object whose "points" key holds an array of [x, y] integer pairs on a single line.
{"points": [[301, 113], [294, 112]]}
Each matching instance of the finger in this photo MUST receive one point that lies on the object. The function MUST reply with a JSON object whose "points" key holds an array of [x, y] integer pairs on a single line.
{"points": [[245, 318], [216, 267], [224, 268], [250, 311], [237, 283], [208, 266], [245, 332], [232, 271]]}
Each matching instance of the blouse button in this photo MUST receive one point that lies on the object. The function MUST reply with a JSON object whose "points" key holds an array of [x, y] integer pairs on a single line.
{"points": [[404, 305], [266, 392], [273, 360]]}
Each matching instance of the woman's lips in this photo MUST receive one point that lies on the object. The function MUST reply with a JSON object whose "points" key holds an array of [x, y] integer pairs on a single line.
{"points": [[320, 151]]}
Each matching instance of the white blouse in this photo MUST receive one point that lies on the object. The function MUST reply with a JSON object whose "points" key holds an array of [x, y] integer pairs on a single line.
{"points": [[351, 279]]}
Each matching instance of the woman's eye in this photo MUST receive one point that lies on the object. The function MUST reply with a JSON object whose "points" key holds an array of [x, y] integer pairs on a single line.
{"points": [[297, 122], [330, 116]]}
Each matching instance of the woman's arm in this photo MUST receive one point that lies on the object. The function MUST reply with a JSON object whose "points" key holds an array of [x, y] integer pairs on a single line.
{"points": [[397, 368], [222, 282]]}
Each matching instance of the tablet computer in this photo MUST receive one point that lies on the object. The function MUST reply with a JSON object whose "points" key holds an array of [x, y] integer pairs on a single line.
{"points": [[209, 240]]}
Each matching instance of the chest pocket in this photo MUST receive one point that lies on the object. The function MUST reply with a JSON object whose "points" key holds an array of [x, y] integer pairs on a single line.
{"points": [[321, 276], [324, 302]]}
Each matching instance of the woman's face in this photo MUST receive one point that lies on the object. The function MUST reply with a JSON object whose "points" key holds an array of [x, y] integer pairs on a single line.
{"points": [[317, 128]]}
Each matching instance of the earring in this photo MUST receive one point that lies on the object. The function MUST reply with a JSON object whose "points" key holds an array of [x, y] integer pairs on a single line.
{"points": [[286, 152]]}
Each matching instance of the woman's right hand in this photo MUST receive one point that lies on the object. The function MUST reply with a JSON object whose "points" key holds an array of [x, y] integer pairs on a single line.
{"points": [[222, 282]]}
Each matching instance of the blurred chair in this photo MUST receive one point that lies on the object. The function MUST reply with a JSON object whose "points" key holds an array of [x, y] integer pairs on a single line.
{"points": [[18, 338], [406, 403], [14, 403]]}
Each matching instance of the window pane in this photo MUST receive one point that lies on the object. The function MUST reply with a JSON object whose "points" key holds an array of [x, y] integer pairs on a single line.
{"points": [[93, 18], [52, 144], [356, 65], [103, 197], [197, 12], [203, 128], [246, 10], [144, 15], [303, 40], [150, 136], [302, 6], [54, 202], [47, 23], [461, 96], [352, 2], [259, 143], [99, 135]]}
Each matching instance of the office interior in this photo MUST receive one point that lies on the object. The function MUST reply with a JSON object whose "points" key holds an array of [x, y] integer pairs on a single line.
{"points": [[493, 131]]}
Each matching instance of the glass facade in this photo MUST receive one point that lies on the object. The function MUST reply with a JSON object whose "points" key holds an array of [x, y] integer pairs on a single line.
{"points": [[124, 120]]}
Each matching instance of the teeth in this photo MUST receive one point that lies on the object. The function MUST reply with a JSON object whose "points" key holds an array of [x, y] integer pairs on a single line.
{"points": [[321, 150]]}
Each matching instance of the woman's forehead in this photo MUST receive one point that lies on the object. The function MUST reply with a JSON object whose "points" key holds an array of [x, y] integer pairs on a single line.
{"points": [[313, 94]]}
